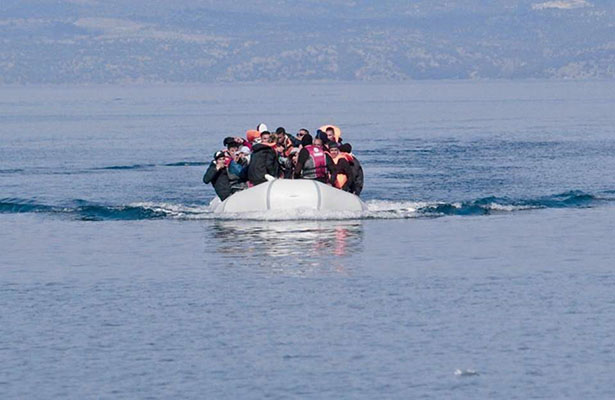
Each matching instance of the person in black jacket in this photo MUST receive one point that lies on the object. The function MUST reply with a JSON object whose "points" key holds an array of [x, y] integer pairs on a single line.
{"points": [[217, 175], [263, 161], [306, 167]]}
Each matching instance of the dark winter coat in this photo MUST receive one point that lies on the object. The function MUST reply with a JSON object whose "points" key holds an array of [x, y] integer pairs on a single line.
{"points": [[219, 179], [263, 160], [357, 173]]}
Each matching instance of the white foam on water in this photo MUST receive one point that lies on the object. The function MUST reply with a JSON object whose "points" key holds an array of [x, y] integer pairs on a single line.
{"points": [[179, 211], [510, 208], [466, 372], [384, 209]]}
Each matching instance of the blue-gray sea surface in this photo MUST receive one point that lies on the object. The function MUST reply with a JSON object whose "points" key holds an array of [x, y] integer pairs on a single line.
{"points": [[484, 267]]}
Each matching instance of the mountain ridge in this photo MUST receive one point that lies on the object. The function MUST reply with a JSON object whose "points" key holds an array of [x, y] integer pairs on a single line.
{"points": [[86, 41]]}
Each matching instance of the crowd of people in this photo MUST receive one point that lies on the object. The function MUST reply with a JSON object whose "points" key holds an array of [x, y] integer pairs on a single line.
{"points": [[247, 162]]}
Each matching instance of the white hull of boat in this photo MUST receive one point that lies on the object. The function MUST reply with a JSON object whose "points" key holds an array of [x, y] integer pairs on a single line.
{"points": [[291, 194]]}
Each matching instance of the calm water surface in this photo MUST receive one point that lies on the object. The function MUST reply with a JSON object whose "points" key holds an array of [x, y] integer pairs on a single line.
{"points": [[483, 268]]}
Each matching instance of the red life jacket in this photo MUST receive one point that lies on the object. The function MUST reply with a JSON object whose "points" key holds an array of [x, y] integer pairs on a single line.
{"points": [[318, 167]]}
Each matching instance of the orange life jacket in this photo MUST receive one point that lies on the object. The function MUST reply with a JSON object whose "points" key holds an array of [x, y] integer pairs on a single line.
{"points": [[341, 179], [252, 134]]}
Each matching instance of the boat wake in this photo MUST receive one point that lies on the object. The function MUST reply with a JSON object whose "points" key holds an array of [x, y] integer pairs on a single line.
{"points": [[377, 209]]}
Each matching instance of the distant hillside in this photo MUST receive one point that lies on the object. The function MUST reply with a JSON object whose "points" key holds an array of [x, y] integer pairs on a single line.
{"points": [[79, 41]]}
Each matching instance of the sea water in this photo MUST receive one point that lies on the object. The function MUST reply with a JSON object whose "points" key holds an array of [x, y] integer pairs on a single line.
{"points": [[483, 268]]}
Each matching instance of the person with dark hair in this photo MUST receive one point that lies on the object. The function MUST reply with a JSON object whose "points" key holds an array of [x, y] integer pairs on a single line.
{"points": [[263, 161], [234, 140], [322, 136], [237, 169], [287, 163], [217, 175], [285, 142], [300, 134], [306, 140], [313, 162], [357, 170], [345, 148], [330, 132], [289, 140], [344, 177]]}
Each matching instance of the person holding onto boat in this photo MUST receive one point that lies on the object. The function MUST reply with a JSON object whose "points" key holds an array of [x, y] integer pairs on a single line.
{"points": [[217, 175], [344, 178], [313, 162], [357, 170], [237, 168], [263, 161]]}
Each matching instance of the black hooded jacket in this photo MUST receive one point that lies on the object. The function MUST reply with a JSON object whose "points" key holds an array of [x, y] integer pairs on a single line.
{"points": [[357, 172], [262, 161], [219, 179]]}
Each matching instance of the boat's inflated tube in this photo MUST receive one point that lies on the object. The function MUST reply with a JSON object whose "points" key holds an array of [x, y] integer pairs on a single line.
{"points": [[291, 194]]}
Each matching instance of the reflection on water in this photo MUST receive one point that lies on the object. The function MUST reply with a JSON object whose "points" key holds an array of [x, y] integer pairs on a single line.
{"points": [[290, 245]]}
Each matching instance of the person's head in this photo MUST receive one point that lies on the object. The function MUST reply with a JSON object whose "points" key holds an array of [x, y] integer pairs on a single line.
{"points": [[330, 134], [280, 131], [322, 136], [334, 149], [293, 155], [219, 157], [345, 148], [306, 140], [318, 142], [243, 153], [265, 136], [302, 132], [273, 138], [232, 147], [261, 127]]}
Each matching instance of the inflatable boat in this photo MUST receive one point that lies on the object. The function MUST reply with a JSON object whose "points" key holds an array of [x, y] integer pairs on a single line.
{"points": [[291, 194]]}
